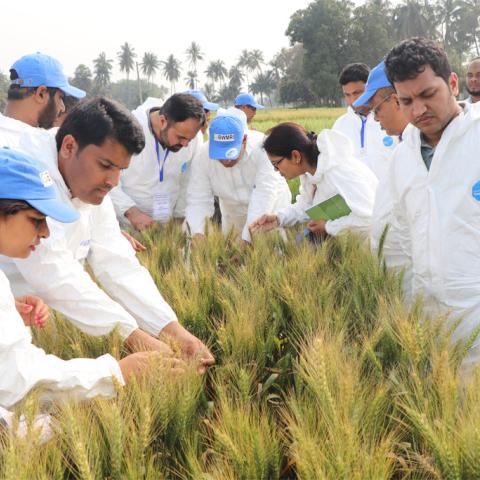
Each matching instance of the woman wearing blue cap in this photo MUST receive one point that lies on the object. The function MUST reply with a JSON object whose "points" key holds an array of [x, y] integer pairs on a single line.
{"points": [[327, 170], [27, 198]]}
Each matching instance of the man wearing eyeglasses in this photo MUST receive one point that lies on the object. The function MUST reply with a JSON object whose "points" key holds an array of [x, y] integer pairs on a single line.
{"points": [[382, 101], [370, 144]]}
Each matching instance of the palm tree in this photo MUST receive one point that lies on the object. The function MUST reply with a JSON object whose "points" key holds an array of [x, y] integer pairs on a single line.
{"points": [[194, 55], [191, 79], [256, 60], [150, 65], [244, 62], [211, 73], [126, 58], [235, 76], [220, 71], [264, 83], [103, 71], [171, 70]]}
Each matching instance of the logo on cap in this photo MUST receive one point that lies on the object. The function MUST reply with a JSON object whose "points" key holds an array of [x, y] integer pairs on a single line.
{"points": [[232, 153], [476, 191], [226, 137], [46, 179]]}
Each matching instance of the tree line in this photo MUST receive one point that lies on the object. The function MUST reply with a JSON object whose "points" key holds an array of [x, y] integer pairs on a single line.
{"points": [[324, 37]]}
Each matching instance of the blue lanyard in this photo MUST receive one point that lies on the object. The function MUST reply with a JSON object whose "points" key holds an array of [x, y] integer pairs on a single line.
{"points": [[362, 131], [167, 151]]}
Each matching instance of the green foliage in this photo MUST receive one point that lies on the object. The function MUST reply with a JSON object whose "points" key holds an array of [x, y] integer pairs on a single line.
{"points": [[4, 83], [321, 373]]}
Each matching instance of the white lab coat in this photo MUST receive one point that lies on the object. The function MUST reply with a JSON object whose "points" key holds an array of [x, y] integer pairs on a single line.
{"points": [[338, 172], [23, 366], [11, 131], [140, 182], [437, 213], [377, 145], [395, 244], [246, 191], [55, 272]]}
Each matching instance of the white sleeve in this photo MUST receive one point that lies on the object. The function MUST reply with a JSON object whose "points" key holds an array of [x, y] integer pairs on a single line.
{"points": [[295, 213], [121, 201], [60, 279], [117, 268], [180, 208], [357, 186], [397, 244], [200, 205], [24, 366], [265, 190]]}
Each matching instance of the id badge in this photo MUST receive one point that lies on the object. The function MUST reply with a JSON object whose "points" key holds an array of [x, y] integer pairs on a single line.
{"points": [[161, 207]]}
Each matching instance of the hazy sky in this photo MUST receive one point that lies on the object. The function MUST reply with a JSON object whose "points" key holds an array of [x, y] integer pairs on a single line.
{"points": [[76, 32]]}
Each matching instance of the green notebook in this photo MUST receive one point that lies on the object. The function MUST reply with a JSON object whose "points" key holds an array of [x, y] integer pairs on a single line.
{"points": [[331, 209]]}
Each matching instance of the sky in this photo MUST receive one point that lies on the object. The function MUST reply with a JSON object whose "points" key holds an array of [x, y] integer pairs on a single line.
{"points": [[76, 32]]}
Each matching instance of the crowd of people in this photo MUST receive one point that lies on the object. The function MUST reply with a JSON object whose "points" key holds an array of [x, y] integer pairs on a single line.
{"points": [[74, 172]]}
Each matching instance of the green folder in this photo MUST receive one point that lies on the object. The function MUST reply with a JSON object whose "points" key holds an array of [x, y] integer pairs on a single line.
{"points": [[331, 209]]}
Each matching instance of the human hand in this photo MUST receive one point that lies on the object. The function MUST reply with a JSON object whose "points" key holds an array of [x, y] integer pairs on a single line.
{"points": [[33, 310], [190, 345], [138, 364], [264, 223], [139, 220], [140, 341], [136, 245]]}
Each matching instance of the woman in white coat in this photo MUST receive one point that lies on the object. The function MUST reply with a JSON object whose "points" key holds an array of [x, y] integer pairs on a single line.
{"points": [[27, 197], [326, 167]]}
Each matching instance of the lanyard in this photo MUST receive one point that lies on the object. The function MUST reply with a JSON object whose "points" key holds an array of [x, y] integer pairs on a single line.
{"points": [[167, 151], [362, 131]]}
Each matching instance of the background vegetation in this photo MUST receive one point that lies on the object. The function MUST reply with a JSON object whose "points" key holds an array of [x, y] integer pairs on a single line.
{"points": [[324, 37]]}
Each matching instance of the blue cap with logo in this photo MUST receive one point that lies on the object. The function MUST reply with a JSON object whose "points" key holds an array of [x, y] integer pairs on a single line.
{"points": [[226, 134], [377, 79], [38, 69], [24, 178], [213, 107], [248, 99]]}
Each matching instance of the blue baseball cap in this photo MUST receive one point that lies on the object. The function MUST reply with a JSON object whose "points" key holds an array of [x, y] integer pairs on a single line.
{"points": [[213, 107], [377, 79], [38, 69], [247, 99], [226, 134], [24, 178]]}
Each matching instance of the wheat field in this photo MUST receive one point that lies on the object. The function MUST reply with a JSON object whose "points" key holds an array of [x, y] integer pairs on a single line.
{"points": [[321, 373]]}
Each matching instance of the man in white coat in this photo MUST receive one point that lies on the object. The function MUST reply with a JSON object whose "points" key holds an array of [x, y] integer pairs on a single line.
{"points": [[473, 81], [84, 159], [234, 167], [153, 188], [370, 144], [382, 101], [435, 185], [34, 97]]}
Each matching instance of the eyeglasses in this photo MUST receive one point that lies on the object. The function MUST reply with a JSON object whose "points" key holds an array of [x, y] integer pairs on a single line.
{"points": [[275, 164], [376, 108]]}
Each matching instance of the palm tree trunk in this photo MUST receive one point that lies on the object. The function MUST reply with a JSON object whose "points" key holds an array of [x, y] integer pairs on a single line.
{"points": [[140, 96]]}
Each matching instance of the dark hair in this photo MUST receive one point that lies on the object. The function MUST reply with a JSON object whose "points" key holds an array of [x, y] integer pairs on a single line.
{"points": [[354, 72], [11, 207], [19, 92], [282, 139], [94, 120], [181, 107], [409, 58]]}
